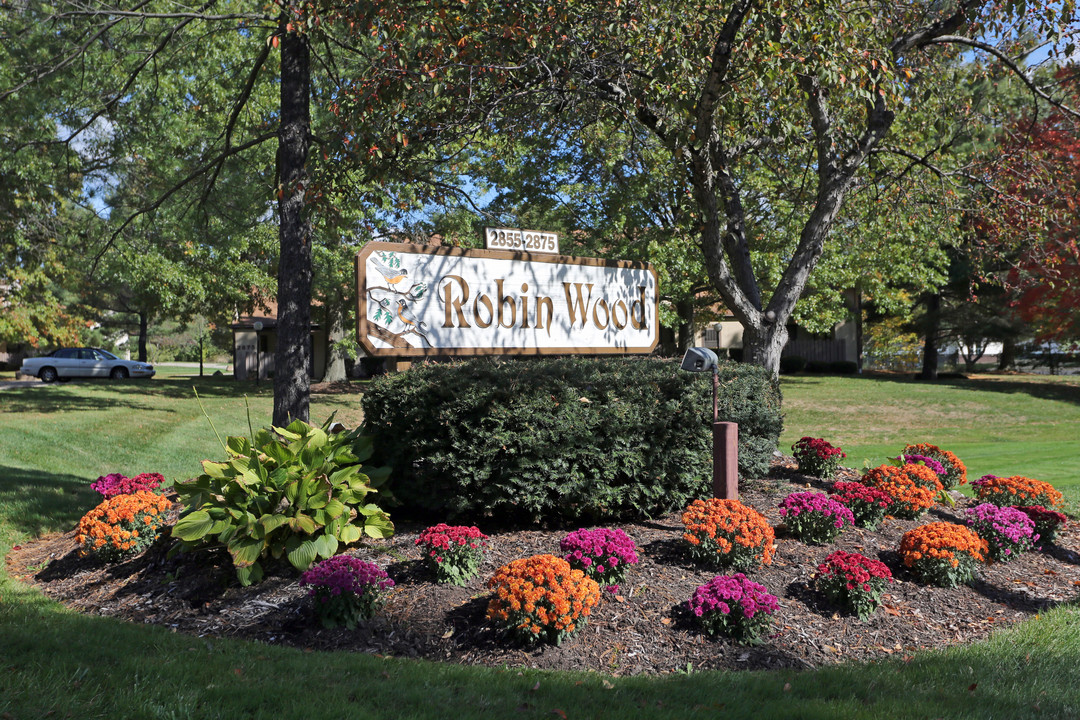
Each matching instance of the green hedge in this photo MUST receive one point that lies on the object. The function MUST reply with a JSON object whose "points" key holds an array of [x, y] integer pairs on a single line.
{"points": [[564, 438]]}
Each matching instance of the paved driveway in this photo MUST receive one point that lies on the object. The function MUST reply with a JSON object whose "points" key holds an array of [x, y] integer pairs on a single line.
{"points": [[6, 384]]}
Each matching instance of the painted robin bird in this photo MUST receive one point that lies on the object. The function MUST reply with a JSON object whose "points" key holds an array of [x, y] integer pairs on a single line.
{"points": [[406, 316], [392, 275]]}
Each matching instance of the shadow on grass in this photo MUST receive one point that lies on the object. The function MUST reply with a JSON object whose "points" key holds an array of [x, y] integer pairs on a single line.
{"points": [[1031, 385], [39, 501], [1059, 391], [128, 395]]}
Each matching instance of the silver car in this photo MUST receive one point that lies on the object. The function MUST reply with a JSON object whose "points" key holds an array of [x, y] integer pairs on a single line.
{"points": [[84, 362]]}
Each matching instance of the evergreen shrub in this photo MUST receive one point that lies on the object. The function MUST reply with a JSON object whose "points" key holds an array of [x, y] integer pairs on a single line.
{"points": [[563, 438]]}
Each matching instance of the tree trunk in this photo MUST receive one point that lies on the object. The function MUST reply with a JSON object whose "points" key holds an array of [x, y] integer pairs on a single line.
{"points": [[1007, 358], [858, 329], [685, 309], [144, 332], [292, 384], [931, 327], [335, 354], [763, 344]]}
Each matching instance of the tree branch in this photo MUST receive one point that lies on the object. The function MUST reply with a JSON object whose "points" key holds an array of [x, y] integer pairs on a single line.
{"points": [[72, 57], [1007, 62], [238, 106], [191, 177]]}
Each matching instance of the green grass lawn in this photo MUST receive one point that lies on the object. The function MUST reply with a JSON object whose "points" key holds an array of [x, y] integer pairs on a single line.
{"points": [[56, 663]]}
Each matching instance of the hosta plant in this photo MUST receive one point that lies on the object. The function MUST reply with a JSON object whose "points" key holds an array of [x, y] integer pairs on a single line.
{"points": [[115, 484], [541, 598], [853, 581], [817, 457], [604, 554], [955, 471], [943, 554], [122, 526], [298, 492], [1047, 522], [867, 504], [911, 487], [346, 590], [1007, 531], [1016, 490], [727, 533], [734, 605], [453, 552], [815, 517]]}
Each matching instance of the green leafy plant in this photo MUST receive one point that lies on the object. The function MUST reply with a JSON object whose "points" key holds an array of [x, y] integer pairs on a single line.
{"points": [[563, 438], [297, 492]]}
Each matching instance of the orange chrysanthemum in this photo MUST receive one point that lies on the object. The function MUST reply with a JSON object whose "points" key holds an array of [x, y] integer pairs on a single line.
{"points": [[912, 488], [943, 553], [542, 597], [123, 525], [955, 470], [1017, 490], [728, 533]]}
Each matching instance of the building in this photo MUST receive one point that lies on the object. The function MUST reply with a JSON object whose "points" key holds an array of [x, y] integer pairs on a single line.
{"points": [[255, 342]]}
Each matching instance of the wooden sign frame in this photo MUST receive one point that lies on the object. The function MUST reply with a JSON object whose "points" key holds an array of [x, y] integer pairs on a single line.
{"points": [[403, 314]]}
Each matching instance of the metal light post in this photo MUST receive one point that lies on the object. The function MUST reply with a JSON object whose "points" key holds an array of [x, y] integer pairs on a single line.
{"points": [[725, 434]]}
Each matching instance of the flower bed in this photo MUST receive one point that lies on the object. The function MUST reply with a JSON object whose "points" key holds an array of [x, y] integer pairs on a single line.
{"points": [[815, 517], [1016, 490], [853, 581], [867, 504], [603, 554], [122, 526], [346, 589], [911, 487], [453, 552], [541, 598], [955, 470], [647, 631], [817, 457], [943, 554], [726, 533], [735, 606]]}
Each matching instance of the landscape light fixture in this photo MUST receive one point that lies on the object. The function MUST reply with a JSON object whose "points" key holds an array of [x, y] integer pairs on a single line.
{"points": [[725, 434]]}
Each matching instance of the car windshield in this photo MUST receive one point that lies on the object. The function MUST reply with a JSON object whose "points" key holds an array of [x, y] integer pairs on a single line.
{"points": [[106, 355]]}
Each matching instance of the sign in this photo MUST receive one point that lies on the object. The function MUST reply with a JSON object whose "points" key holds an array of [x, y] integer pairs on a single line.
{"points": [[415, 301], [530, 241]]}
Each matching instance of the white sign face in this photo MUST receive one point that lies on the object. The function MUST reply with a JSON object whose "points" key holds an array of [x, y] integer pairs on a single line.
{"points": [[414, 300], [530, 241]]}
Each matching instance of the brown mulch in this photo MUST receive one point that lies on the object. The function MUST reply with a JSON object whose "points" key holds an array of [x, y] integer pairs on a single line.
{"points": [[642, 629]]}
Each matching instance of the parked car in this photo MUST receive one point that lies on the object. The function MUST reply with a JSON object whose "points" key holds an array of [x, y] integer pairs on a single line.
{"points": [[84, 362]]}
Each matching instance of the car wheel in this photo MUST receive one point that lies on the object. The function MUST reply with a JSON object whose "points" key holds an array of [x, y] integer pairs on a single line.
{"points": [[118, 373], [48, 374]]}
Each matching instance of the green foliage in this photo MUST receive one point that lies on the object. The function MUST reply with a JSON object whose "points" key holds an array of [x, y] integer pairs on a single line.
{"points": [[297, 492], [564, 438]]}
